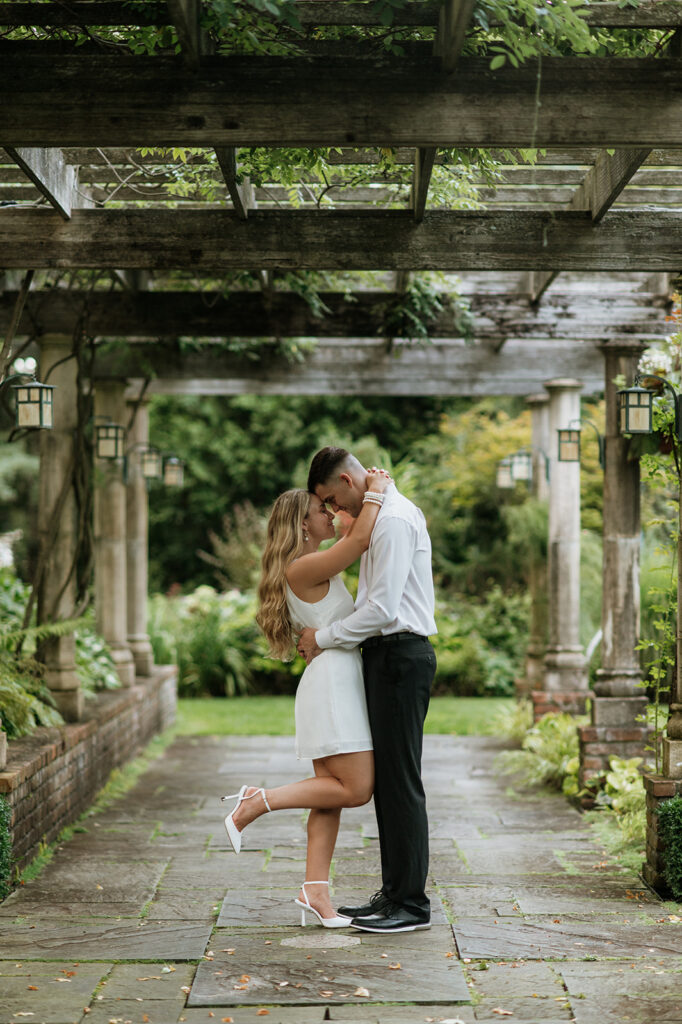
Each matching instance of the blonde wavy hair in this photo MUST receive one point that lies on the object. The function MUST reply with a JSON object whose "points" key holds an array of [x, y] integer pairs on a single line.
{"points": [[283, 544]]}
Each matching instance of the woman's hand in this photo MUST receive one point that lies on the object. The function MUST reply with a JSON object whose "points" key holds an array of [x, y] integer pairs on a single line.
{"points": [[378, 479]]}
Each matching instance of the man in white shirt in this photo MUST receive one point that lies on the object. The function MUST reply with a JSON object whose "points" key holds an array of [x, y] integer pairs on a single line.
{"points": [[393, 618]]}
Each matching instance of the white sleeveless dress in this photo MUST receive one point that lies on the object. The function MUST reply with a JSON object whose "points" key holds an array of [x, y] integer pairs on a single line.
{"points": [[331, 710]]}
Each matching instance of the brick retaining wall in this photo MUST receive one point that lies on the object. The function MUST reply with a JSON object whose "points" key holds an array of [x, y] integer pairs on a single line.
{"points": [[52, 776], [658, 789]]}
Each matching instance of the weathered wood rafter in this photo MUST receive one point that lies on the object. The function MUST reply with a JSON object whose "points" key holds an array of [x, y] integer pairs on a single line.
{"points": [[212, 240], [51, 175], [117, 101], [455, 16], [439, 369], [647, 14], [139, 314]]}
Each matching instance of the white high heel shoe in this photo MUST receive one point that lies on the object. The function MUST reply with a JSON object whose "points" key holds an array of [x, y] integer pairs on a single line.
{"points": [[233, 833], [326, 922]]}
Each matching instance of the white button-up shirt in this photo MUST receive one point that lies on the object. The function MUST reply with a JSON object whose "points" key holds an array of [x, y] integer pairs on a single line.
{"points": [[395, 589]]}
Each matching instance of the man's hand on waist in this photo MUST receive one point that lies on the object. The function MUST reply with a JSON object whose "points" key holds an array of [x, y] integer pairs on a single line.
{"points": [[307, 645]]}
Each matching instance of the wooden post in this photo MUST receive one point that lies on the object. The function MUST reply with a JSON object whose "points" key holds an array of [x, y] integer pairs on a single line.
{"points": [[110, 539]]}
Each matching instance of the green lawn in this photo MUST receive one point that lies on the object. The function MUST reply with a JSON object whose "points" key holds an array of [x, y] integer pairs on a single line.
{"points": [[274, 716]]}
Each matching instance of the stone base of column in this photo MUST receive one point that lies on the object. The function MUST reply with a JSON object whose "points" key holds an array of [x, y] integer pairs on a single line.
{"points": [[658, 789], [70, 704], [565, 670], [614, 732], [672, 759], [125, 666], [535, 666], [618, 682], [143, 656], [571, 703], [3, 749]]}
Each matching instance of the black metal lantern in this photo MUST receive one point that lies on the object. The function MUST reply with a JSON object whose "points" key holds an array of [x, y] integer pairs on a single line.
{"points": [[174, 472], [522, 465], [504, 478], [151, 463], [34, 404], [109, 441], [635, 410], [569, 444]]}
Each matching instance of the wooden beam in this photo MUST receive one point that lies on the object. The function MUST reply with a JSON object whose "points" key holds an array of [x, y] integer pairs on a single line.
{"points": [[241, 193], [589, 314], [49, 172], [455, 16], [212, 240], [437, 369], [184, 15], [537, 283], [263, 101], [647, 14]]}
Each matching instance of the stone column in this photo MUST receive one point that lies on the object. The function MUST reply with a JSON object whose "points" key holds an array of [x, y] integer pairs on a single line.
{"points": [[110, 538], [565, 682], [137, 516], [537, 575], [619, 698], [58, 534]]}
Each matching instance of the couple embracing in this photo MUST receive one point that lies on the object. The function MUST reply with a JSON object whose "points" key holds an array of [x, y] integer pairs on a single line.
{"points": [[360, 718]]}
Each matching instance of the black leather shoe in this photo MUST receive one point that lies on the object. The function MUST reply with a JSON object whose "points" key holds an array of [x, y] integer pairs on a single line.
{"points": [[398, 921], [378, 905]]}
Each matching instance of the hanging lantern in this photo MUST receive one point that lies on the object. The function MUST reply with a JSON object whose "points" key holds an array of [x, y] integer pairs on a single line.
{"points": [[34, 404], [109, 441], [521, 465], [569, 444], [174, 472], [504, 478], [635, 410], [151, 462]]}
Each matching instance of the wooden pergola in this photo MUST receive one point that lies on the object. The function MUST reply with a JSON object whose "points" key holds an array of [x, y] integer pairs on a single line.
{"points": [[565, 263]]}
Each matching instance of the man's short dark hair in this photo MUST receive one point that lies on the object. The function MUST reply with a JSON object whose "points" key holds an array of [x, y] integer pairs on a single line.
{"points": [[324, 466]]}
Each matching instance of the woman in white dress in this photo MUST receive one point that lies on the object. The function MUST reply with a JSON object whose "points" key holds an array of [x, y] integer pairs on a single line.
{"points": [[300, 586]]}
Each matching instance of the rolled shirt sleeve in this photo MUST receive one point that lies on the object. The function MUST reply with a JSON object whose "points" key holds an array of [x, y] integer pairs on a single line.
{"points": [[387, 567]]}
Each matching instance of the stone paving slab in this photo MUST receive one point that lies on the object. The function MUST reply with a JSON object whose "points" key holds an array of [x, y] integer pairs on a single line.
{"points": [[119, 941], [631, 1009], [279, 976], [55, 993], [608, 979], [542, 939]]}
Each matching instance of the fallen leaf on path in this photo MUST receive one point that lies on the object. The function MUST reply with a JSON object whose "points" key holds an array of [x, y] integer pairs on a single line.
{"points": [[167, 970], [66, 981], [227, 1020], [245, 977], [326, 993], [674, 917], [33, 988], [503, 1013], [449, 955], [262, 1013], [363, 992], [394, 967], [185, 988]]}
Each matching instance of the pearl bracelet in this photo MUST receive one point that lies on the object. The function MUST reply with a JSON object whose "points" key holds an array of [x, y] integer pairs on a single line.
{"points": [[375, 497]]}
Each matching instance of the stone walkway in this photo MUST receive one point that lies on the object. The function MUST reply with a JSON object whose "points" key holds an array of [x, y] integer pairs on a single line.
{"points": [[147, 918]]}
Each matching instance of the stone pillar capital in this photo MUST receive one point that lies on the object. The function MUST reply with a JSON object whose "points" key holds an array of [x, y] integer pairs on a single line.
{"points": [[558, 384]]}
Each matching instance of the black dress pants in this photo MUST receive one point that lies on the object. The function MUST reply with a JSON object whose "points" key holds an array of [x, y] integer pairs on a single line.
{"points": [[398, 677]]}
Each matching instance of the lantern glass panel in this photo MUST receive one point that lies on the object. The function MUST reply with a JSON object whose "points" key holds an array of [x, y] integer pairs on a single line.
{"points": [[174, 473], [33, 405], [522, 466], [151, 464], [504, 479], [569, 446], [110, 441], [639, 413]]}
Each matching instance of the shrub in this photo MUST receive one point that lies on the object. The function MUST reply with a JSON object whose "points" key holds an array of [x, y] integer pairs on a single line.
{"points": [[670, 825], [549, 754], [480, 645], [624, 794]]}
